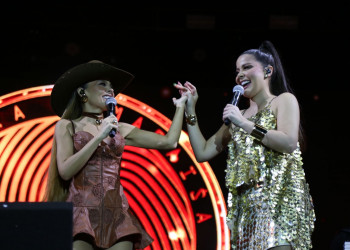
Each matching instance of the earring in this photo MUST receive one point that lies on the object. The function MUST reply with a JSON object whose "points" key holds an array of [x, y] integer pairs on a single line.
{"points": [[267, 71], [83, 97]]}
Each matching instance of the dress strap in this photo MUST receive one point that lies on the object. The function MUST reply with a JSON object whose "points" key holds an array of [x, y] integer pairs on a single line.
{"points": [[271, 101], [73, 126], [73, 135]]}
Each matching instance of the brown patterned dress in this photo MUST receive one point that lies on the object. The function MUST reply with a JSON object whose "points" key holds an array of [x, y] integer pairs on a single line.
{"points": [[100, 207]]}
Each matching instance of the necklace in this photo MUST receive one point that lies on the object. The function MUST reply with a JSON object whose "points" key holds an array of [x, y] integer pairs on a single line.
{"points": [[97, 116]]}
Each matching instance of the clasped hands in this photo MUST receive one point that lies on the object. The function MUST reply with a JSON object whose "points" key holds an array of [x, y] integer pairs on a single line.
{"points": [[187, 89], [190, 92]]}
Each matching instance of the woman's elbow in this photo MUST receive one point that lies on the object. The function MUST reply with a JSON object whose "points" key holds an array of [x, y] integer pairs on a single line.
{"points": [[64, 175], [291, 147], [201, 158], [167, 145], [172, 145]]}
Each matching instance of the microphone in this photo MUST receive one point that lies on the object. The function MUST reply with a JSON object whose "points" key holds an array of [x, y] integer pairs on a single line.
{"points": [[238, 90], [111, 103]]}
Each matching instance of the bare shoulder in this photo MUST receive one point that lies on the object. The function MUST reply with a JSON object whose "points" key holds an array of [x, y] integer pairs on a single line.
{"points": [[285, 99], [285, 104], [63, 125]]}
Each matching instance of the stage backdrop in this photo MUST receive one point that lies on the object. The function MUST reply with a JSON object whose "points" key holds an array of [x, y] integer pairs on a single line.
{"points": [[177, 199]]}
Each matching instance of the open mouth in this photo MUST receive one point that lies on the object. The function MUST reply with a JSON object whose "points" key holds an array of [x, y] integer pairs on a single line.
{"points": [[245, 84]]}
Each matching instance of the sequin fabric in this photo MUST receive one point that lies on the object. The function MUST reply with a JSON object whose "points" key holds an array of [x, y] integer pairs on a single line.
{"points": [[269, 203]]}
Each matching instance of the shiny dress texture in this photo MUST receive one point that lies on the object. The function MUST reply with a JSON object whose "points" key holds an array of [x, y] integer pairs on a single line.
{"points": [[100, 207], [269, 203]]}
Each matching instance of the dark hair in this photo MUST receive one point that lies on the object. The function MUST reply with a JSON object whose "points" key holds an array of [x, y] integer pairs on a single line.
{"points": [[267, 54]]}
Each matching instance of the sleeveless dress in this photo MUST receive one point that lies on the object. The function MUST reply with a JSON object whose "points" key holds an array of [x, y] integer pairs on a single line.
{"points": [[269, 203], [100, 207]]}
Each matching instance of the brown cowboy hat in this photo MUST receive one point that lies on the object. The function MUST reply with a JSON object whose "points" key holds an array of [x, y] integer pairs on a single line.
{"points": [[84, 73]]}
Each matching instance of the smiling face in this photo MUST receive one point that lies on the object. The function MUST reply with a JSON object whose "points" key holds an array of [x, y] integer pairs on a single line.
{"points": [[97, 92], [250, 74]]}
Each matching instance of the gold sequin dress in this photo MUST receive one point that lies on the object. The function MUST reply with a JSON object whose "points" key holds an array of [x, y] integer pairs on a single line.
{"points": [[269, 203]]}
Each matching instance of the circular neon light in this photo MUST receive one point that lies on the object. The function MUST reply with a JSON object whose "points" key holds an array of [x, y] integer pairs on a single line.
{"points": [[177, 199]]}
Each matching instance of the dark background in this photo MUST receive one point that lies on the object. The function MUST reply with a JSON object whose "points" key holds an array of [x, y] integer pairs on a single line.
{"points": [[164, 43]]}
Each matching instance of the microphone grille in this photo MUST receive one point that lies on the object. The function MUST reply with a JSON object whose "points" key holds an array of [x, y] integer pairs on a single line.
{"points": [[239, 89], [111, 100]]}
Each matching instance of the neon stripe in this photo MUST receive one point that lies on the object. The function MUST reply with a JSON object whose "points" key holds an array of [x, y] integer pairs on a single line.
{"points": [[35, 188], [25, 192], [13, 161], [146, 216], [185, 210], [27, 149], [162, 204], [25, 94]]}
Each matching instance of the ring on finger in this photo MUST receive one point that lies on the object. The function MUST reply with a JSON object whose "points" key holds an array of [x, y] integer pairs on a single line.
{"points": [[115, 122]]}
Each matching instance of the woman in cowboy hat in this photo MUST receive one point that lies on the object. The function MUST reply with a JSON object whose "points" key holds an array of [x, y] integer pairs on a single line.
{"points": [[85, 160]]}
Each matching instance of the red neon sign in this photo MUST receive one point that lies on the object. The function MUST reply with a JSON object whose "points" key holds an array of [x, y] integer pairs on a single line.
{"points": [[177, 199]]}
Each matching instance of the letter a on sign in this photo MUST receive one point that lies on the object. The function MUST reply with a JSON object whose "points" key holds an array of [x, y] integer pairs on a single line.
{"points": [[18, 113]]}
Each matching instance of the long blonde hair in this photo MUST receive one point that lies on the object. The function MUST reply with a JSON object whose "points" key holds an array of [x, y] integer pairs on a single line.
{"points": [[56, 187]]}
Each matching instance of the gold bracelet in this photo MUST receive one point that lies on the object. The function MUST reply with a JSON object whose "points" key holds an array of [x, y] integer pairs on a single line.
{"points": [[258, 132], [191, 119]]}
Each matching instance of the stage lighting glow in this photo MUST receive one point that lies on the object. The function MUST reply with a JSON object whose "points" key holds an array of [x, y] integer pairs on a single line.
{"points": [[177, 199]]}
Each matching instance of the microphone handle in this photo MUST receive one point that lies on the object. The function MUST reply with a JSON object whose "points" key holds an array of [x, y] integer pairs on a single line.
{"points": [[112, 132], [112, 112], [235, 99]]}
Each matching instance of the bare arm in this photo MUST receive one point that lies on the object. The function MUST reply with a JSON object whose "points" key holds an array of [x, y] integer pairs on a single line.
{"points": [[203, 149], [146, 139], [285, 138]]}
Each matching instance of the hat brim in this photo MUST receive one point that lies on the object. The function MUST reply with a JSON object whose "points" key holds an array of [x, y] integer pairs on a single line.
{"points": [[82, 74]]}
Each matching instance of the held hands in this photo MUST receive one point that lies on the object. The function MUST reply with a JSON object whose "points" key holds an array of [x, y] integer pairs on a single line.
{"points": [[180, 102], [231, 112], [185, 95], [190, 91]]}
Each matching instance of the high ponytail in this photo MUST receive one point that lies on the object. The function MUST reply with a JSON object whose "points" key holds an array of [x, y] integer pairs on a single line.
{"points": [[267, 54], [279, 83]]}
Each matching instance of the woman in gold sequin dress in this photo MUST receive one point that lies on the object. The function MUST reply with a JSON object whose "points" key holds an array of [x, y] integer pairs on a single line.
{"points": [[85, 158], [269, 205]]}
